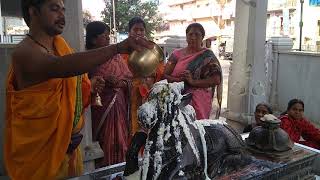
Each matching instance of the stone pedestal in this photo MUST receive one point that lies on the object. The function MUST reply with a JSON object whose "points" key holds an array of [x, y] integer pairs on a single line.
{"points": [[297, 166], [91, 150], [281, 43]]}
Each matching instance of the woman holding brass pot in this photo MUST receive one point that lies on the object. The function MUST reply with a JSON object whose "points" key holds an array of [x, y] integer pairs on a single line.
{"points": [[140, 85], [199, 68]]}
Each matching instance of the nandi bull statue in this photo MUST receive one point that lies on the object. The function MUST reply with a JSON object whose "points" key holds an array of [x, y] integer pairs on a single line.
{"points": [[177, 146]]}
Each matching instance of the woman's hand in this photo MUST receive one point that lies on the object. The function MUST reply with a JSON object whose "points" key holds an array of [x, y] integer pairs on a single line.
{"points": [[202, 83], [187, 77], [180, 77], [111, 80], [169, 69], [114, 82], [133, 43], [97, 84]]}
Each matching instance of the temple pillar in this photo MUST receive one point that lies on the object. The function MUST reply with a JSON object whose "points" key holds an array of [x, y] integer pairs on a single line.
{"points": [[73, 31], [247, 83], [74, 35]]}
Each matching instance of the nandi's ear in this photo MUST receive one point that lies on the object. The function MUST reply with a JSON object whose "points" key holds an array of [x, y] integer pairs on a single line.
{"points": [[186, 99]]}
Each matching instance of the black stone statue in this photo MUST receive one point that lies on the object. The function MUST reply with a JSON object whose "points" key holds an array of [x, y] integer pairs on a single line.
{"points": [[177, 146]]}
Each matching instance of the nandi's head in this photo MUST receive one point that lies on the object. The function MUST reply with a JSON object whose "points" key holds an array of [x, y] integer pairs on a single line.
{"points": [[167, 116], [164, 100]]}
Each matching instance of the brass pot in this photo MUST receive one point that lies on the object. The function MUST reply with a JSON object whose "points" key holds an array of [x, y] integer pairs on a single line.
{"points": [[145, 62]]}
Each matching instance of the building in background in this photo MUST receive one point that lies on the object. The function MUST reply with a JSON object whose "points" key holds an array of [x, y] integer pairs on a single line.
{"points": [[284, 19], [217, 17], [12, 25]]}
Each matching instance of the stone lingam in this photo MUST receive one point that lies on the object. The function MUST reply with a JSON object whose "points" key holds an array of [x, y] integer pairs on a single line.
{"points": [[269, 139]]}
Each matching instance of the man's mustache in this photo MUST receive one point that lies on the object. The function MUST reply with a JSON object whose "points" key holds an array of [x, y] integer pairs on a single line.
{"points": [[61, 21]]}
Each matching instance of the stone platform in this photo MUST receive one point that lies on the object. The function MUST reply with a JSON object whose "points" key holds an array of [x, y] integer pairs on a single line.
{"points": [[298, 166]]}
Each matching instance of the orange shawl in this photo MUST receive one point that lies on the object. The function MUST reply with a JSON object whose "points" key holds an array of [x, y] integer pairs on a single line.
{"points": [[40, 120]]}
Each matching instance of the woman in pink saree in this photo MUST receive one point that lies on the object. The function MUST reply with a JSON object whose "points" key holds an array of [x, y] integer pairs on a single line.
{"points": [[199, 68], [110, 121]]}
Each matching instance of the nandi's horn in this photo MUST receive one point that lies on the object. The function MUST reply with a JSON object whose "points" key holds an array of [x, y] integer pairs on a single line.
{"points": [[186, 99]]}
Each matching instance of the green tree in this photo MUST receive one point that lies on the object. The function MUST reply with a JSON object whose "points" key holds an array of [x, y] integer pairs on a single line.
{"points": [[87, 17], [127, 9]]}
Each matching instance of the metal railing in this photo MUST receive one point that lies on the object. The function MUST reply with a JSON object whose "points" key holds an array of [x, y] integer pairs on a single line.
{"points": [[311, 48], [11, 39]]}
